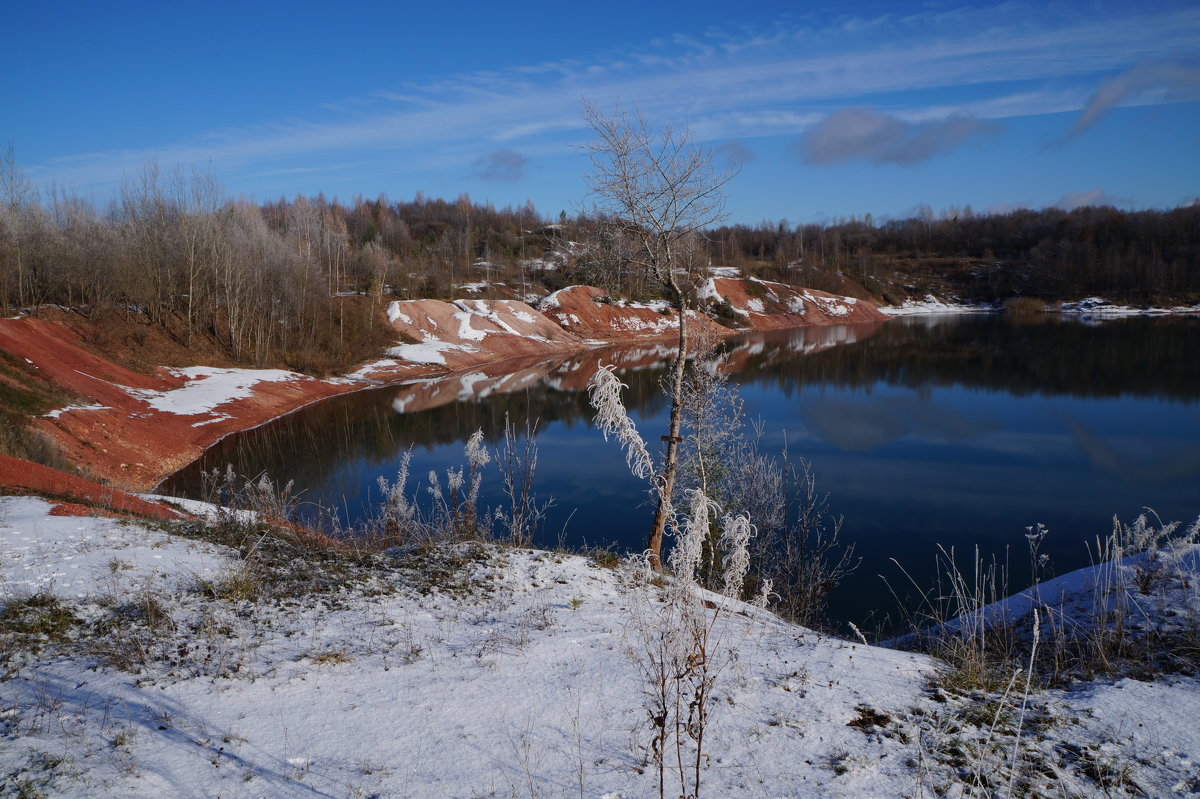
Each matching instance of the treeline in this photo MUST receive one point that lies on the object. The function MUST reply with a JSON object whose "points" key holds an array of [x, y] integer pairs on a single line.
{"points": [[1024, 356], [301, 282], [292, 282], [1048, 254]]}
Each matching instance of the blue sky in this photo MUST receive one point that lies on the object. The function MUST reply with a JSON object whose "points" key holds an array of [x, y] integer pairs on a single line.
{"points": [[829, 112]]}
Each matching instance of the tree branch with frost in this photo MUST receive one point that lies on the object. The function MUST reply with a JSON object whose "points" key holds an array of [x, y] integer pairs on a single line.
{"points": [[737, 532], [689, 541], [604, 393], [658, 188]]}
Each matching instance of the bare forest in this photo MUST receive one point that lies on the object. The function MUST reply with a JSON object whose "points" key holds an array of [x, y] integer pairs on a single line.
{"points": [[301, 282]]}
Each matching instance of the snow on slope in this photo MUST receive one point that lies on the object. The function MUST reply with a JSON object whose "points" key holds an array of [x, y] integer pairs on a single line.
{"points": [[517, 681], [932, 305], [509, 673], [208, 388]]}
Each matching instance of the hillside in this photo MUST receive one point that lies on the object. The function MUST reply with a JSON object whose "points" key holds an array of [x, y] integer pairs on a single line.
{"points": [[226, 659]]}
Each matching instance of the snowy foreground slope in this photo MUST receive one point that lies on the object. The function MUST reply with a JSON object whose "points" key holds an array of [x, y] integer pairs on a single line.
{"points": [[140, 663]]}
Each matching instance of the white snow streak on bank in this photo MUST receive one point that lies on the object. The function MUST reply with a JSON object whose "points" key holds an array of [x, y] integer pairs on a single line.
{"points": [[932, 305], [208, 388], [394, 312], [57, 412], [428, 351], [1100, 307]]}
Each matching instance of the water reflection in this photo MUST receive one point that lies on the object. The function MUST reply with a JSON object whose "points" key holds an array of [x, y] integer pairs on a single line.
{"points": [[953, 431], [867, 425]]}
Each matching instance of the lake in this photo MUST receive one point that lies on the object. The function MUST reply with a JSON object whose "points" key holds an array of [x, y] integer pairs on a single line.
{"points": [[951, 430]]}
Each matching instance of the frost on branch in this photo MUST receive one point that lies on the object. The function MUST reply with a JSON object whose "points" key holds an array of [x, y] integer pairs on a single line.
{"points": [[604, 392], [689, 542], [736, 541]]}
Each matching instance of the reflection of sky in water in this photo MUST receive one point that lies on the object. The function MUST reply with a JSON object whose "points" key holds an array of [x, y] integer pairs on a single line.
{"points": [[912, 469], [908, 467]]}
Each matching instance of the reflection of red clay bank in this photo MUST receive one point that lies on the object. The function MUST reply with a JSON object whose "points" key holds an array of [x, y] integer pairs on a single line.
{"points": [[132, 429]]}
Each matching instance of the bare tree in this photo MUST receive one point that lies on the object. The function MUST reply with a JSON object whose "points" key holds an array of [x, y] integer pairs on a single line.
{"points": [[659, 189], [17, 199]]}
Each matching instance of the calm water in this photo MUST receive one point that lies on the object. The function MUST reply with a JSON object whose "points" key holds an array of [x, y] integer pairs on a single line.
{"points": [[958, 431]]}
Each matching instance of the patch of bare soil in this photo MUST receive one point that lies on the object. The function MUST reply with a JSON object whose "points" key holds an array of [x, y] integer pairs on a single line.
{"points": [[82, 495]]}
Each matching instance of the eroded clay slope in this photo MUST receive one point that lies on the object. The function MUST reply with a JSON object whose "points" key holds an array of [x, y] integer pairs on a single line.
{"points": [[766, 305], [463, 333], [580, 310]]}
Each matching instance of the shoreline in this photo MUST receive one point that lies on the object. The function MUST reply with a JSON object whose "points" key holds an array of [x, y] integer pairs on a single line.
{"points": [[131, 431]]}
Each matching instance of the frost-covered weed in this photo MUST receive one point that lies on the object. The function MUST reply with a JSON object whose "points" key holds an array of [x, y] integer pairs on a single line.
{"points": [[604, 392], [517, 464], [397, 516], [736, 540], [678, 640]]}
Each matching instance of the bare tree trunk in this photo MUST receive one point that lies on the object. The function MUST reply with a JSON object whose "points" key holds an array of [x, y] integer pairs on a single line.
{"points": [[661, 191], [666, 479]]}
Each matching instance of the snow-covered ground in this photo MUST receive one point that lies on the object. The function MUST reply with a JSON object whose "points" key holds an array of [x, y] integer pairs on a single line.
{"points": [[138, 663], [933, 305], [208, 388], [1100, 307], [1096, 307]]}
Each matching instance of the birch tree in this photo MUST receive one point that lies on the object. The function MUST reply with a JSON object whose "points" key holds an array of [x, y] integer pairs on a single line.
{"points": [[659, 191]]}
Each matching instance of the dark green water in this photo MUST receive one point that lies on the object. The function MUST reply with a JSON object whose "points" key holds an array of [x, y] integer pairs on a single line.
{"points": [[959, 431]]}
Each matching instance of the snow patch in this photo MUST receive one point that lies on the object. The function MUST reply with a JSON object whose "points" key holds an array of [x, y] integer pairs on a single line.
{"points": [[428, 351], [57, 412], [394, 313], [208, 388], [932, 305]]}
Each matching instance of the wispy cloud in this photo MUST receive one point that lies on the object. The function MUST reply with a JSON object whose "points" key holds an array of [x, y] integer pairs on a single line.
{"points": [[500, 166], [850, 134], [1173, 82], [727, 85]]}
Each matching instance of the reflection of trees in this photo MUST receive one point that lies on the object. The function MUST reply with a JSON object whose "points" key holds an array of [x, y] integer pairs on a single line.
{"points": [[1136, 357], [366, 426], [1129, 357], [307, 445]]}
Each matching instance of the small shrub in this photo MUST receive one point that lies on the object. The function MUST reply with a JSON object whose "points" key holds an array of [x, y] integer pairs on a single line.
{"points": [[1025, 306], [604, 558], [41, 616], [331, 657]]}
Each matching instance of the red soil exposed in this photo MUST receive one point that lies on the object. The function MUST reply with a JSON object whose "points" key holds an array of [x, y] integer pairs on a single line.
{"points": [[121, 437], [25, 476], [75, 509], [576, 309], [765, 305], [116, 433]]}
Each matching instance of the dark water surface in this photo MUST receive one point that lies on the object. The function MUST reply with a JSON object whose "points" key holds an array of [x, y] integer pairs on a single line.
{"points": [[958, 431]]}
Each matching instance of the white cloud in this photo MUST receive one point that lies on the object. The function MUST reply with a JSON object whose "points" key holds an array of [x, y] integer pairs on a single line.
{"points": [[850, 134], [1177, 82]]}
